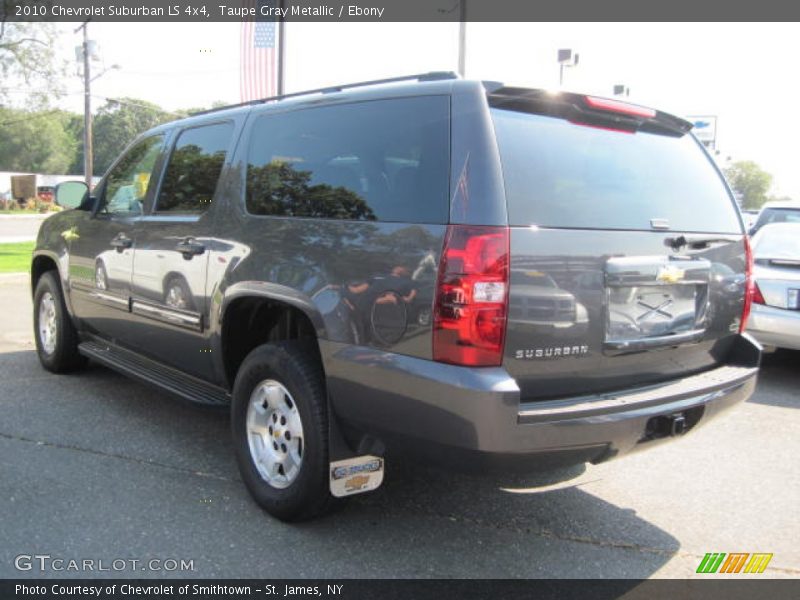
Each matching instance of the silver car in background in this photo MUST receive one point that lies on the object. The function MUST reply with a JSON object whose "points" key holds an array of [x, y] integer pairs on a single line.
{"points": [[775, 317]]}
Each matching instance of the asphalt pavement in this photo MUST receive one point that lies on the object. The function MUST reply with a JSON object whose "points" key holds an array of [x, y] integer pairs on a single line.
{"points": [[96, 467]]}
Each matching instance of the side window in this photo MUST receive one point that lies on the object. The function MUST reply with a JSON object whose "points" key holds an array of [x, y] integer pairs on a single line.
{"points": [[194, 168], [384, 160], [128, 182]]}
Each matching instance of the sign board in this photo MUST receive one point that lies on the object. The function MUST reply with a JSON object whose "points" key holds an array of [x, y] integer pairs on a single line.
{"points": [[23, 187], [704, 128]]}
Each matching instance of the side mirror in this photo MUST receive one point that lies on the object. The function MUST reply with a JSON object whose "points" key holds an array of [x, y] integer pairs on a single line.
{"points": [[71, 194]]}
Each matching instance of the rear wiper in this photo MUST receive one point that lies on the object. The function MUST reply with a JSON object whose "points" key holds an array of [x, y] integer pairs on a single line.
{"points": [[695, 242]]}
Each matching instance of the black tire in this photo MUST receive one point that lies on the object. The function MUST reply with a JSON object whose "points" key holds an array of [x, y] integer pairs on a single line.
{"points": [[295, 365], [64, 356]]}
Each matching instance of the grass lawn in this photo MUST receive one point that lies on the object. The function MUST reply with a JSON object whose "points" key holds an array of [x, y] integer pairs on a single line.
{"points": [[15, 258]]}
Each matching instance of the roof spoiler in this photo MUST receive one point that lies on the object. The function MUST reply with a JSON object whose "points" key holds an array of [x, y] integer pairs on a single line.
{"points": [[589, 110]]}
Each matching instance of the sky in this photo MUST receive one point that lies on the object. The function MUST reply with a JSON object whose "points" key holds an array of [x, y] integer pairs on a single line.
{"points": [[744, 73]]}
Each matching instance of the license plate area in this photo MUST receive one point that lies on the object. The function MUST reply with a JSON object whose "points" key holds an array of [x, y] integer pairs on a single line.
{"points": [[638, 312], [655, 299]]}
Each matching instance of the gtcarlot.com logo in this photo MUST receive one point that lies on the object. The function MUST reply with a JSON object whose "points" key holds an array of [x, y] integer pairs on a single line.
{"points": [[47, 562], [734, 562]]}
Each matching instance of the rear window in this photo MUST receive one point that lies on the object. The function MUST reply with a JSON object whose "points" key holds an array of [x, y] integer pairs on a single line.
{"points": [[560, 174], [384, 160], [777, 242], [778, 215]]}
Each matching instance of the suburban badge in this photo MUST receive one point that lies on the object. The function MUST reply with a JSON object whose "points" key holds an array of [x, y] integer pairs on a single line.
{"points": [[552, 352]]}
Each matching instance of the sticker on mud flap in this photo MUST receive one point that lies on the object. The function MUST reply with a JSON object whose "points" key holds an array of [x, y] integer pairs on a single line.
{"points": [[356, 475]]}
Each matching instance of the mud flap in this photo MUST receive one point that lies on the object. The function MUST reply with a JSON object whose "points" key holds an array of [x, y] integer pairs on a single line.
{"points": [[356, 475], [350, 473]]}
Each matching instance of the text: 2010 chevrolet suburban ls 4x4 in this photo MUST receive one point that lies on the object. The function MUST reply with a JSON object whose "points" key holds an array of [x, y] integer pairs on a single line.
{"points": [[470, 272]]}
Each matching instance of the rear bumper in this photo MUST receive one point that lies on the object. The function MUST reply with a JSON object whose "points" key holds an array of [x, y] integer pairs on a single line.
{"points": [[775, 326], [474, 418]]}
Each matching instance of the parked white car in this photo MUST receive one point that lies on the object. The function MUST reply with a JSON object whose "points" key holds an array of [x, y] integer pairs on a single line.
{"points": [[775, 317]]}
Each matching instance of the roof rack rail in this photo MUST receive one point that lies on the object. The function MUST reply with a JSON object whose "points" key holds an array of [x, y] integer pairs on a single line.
{"points": [[430, 76]]}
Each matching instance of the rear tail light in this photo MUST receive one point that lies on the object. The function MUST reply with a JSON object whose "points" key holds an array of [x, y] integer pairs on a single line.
{"points": [[471, 306], [749, 286], [758, 297]]}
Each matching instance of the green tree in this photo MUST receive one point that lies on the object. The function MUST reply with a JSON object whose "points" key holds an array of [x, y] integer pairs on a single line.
{"points": [[749, 182], [116, 124], [36, 142], [28, 63]]}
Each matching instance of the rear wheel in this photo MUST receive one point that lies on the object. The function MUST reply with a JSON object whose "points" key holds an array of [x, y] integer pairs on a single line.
{"points": [[280, 430], [56, 337]]}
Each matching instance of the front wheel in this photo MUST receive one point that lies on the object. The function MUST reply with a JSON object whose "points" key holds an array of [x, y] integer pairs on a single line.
{"points": [[280, 430], [56, 337]]}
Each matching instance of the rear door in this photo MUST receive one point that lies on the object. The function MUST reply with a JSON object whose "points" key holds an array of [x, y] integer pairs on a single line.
{"points": [[627, 253], [170, 265]]}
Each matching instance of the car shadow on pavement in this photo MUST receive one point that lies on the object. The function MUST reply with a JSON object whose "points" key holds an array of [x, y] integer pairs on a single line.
{"points": [[423, 522], [778, 373]]}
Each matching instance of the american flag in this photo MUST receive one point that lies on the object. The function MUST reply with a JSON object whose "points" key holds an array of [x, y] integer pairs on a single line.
{"points": [[258, 75]]}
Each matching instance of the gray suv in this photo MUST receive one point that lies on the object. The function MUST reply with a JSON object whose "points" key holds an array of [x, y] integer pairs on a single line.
{"points": [[474, 274]]}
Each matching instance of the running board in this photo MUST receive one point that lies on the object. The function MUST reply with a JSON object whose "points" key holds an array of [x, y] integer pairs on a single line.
{"points": [[148, 371]]}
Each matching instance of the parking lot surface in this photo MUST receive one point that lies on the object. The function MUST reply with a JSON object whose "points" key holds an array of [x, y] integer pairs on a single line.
{"points": [[95, 466]]}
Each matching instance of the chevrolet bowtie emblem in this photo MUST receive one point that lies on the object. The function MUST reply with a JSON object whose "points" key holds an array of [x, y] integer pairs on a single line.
{"points": [[670, 274]]}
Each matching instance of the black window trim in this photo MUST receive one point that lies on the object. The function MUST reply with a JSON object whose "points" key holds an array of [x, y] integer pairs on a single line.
{"points": [[175, 133]]}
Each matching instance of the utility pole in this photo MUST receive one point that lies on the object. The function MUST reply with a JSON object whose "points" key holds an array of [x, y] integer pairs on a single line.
{"points": [[462, 38], [88, 163]]}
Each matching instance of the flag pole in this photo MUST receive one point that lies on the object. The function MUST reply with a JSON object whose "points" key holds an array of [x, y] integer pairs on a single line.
{"points": [[281, 50], [462, 38]]}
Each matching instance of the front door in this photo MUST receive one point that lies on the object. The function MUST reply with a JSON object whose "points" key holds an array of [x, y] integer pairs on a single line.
{"points": [[169, 294], [101, 247]]}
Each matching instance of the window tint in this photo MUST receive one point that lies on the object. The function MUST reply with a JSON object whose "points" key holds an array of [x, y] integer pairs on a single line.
{"points": [[384, 160], [128, 182], [560, 174], [194, 169]]}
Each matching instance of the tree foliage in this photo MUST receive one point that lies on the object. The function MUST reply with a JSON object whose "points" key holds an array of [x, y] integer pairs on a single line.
{"points": [[28, 62], [117, 123], [749, 182], [36, 142]]}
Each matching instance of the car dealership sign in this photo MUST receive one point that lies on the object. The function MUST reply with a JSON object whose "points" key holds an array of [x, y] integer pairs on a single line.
{"points": [[705, 129]]}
